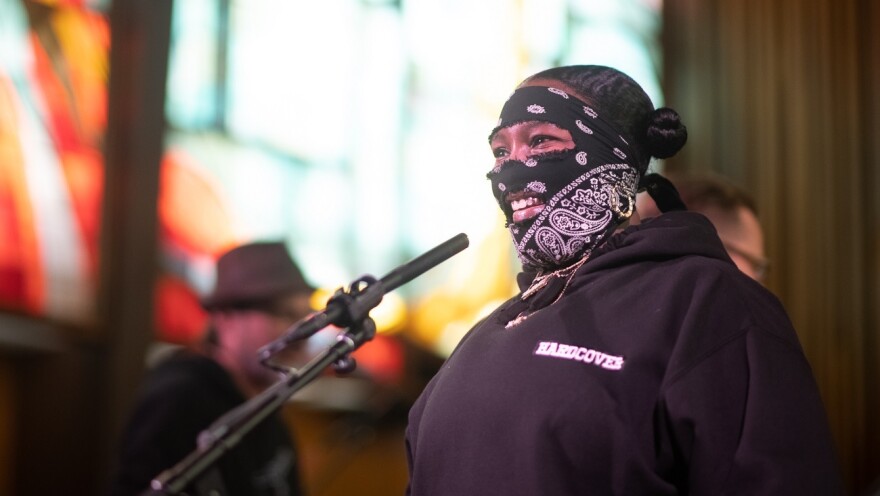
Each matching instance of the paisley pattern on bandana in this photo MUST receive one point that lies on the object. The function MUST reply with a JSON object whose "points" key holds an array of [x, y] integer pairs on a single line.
{"points": [[587, 191]]}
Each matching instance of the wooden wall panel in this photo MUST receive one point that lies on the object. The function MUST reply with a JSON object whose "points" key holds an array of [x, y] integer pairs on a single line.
{"points": [[868, 41], [782, 98]]}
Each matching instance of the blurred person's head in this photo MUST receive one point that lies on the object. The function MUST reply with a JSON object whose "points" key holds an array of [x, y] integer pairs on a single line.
{"points": [[570, 147], [730, 209], [259, 293], [734, 215]]}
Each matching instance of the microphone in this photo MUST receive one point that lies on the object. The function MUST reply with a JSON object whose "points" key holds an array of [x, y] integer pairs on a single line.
{"points": [[418, 266], [365, 293]]}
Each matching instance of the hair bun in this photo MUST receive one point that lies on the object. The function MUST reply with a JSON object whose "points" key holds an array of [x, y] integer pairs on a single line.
{"points": [[666, 134]]}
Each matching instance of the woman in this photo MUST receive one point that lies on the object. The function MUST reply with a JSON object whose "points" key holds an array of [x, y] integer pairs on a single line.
{"points": [[637, 359]]}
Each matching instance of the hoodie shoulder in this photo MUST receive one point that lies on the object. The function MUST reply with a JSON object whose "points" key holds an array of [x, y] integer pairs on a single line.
{"points": [[669, 236]]}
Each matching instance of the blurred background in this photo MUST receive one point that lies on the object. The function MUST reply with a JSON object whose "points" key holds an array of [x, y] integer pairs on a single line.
{"points": [[139, 139]]}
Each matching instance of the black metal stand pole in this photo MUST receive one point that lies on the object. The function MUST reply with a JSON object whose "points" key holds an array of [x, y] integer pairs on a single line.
{"points": [[231, 428]]}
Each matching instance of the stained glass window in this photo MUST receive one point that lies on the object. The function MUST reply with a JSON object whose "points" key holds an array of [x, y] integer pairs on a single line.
{"points": [[53, 107], [353, 129], [356, 130]]}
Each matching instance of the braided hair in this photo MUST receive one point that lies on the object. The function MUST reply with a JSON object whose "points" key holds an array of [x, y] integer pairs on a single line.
{"points": [[651, 132]]}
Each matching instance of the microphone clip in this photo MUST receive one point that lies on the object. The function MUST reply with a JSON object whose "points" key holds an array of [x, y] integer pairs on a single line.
{"points": [[354, 305]]}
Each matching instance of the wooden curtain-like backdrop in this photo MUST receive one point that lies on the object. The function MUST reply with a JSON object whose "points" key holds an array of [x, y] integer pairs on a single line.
{"points": [[783, 97]]}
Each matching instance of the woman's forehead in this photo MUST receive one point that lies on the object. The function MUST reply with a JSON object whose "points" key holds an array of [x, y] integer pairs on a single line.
{"points": [[532, 101]]}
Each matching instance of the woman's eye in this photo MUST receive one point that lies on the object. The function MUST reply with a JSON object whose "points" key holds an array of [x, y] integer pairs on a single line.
{"points": [[499, 152], [542, 138]]}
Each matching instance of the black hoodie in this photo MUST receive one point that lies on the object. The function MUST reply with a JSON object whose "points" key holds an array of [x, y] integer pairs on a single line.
{"points": [[662, 370]]}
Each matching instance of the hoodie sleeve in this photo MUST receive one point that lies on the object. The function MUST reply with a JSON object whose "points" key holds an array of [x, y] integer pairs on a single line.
{"points": [[747, 419]]}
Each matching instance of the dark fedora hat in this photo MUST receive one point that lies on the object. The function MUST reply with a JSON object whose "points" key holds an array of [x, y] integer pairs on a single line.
{"points": [[254, 273]]}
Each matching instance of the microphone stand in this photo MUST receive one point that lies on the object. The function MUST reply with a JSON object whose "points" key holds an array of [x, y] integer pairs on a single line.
{"points": [[345, 309]]}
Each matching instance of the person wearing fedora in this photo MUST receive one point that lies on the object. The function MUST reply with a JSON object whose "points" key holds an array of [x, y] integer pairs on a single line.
{"points": [[259, 293]]}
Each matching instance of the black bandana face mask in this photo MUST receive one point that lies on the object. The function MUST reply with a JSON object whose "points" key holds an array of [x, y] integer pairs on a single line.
{"points": [[586, 191]]}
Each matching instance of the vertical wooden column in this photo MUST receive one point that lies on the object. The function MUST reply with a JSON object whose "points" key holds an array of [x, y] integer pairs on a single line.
{"points": [[136, 123]]}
